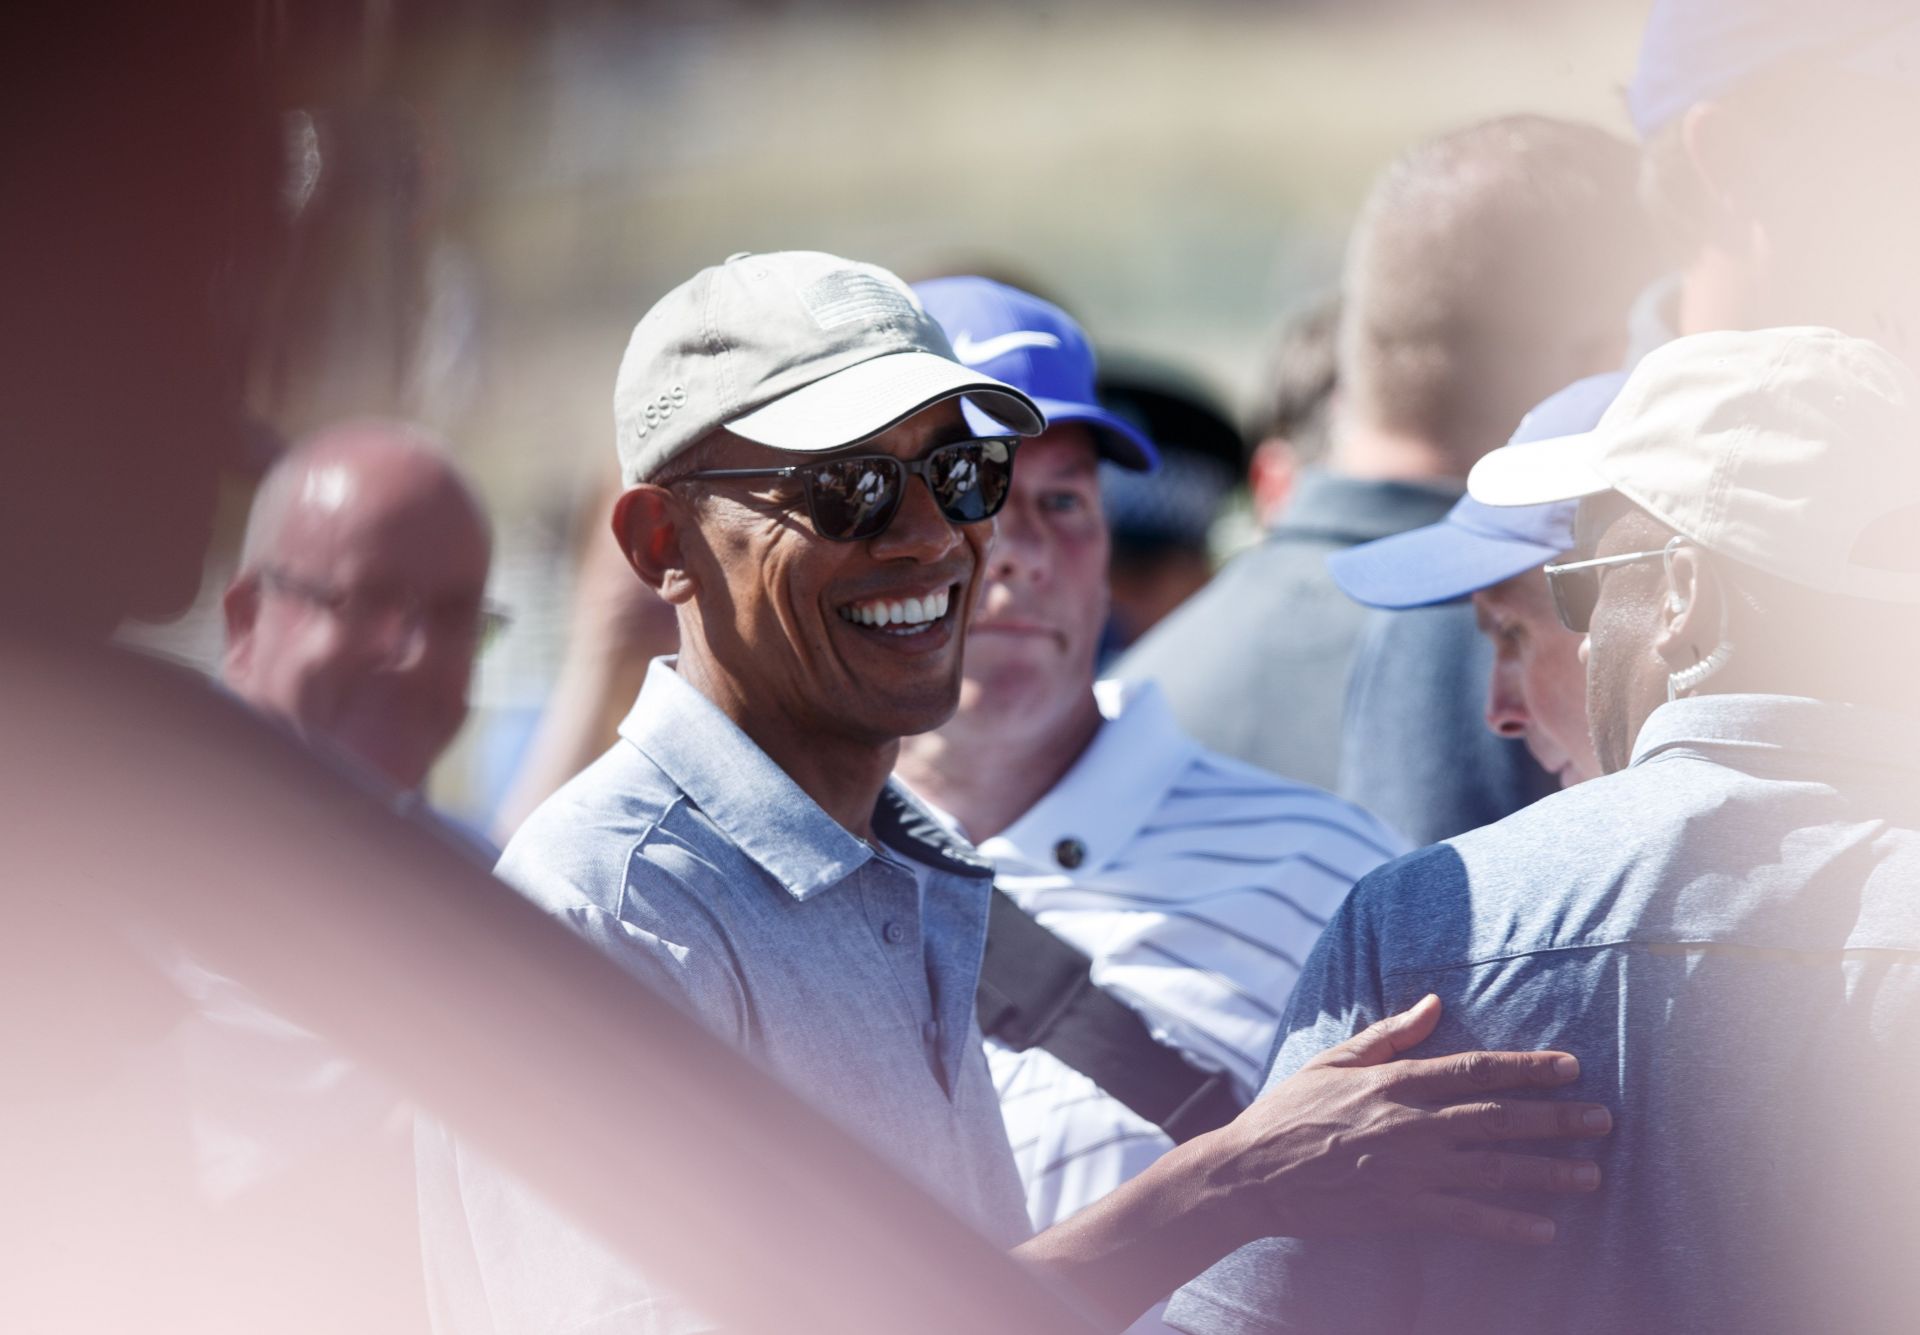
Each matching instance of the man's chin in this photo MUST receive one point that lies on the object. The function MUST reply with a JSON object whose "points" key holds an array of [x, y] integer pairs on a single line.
{"points": [[888, 714], [403, 762]]}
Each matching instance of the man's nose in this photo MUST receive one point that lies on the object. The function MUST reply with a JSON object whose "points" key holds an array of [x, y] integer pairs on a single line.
{"points": [[918, 531], [1506, 705], [1017, 550]]}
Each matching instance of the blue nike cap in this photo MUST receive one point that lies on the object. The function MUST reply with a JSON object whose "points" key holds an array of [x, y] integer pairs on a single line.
{"points": [[1035, 346], [1697, 50], [1477, 546]]}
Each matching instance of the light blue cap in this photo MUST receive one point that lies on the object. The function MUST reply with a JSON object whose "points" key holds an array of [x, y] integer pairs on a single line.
{"points": [[1477, 546]]}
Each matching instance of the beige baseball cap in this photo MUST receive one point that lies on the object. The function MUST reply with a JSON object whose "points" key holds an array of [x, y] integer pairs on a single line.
{"points": [[1795, 451], [799, 350]]}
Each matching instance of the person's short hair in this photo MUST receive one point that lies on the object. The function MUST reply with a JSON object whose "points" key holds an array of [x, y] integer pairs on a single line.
{"points": [[1479, 257], [1297, 394]]}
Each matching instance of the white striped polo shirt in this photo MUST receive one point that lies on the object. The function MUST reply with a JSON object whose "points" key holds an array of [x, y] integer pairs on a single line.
{"points": [[1197, 884]]}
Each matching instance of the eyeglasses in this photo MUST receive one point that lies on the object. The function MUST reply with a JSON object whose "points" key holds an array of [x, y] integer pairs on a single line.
{"points": [[1575, 585], [390, 614], [855, 496]]}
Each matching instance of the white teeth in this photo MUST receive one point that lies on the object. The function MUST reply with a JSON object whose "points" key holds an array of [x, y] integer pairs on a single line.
{"points": [[905, 612]]}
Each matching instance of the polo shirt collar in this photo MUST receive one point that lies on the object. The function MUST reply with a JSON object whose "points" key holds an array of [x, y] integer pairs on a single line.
{"points": [[1729, 725], [759, 808], [1354, 510], [1118, 782]]}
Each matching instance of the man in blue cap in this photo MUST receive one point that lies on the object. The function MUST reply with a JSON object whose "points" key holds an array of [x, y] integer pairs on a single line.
{"points": [[1493, 555], [1107, 822], [1778, 161], [1488, 266]]}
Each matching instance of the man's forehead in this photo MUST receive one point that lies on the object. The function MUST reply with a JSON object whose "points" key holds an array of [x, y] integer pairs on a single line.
{"points": [[426, 534], [1065, 450], [1595, 515], [1523, 597]]}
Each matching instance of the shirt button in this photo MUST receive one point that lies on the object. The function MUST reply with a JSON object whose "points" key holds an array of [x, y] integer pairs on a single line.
{"points": [[1069, 853], [894, 933]]}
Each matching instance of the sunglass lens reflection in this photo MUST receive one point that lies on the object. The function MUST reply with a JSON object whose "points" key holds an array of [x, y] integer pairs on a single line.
{"points": [[854, 498], [970, 479]]}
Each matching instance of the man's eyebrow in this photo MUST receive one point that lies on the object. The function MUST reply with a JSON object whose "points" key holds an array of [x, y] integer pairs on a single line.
{"points": [[952, 435]]}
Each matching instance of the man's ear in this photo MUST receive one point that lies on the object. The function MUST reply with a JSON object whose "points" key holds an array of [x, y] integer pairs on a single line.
{"points": [[650, 525], [1689, 613], [1271, 475], [240, 609]]}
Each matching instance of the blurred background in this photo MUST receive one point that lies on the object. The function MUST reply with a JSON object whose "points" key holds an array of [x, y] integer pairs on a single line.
{"points": [[495, 192]]}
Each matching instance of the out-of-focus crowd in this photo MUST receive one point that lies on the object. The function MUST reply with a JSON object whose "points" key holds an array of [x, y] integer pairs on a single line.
{"points": [[1486, 902]]}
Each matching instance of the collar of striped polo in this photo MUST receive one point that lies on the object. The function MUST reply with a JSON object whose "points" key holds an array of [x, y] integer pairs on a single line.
{"points": [[1118, 782]]}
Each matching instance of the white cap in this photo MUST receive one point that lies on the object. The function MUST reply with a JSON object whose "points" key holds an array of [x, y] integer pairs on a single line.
{"points": [[1795, 451], [798, 350]]}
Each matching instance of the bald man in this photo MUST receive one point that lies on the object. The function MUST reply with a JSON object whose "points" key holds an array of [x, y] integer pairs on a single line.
{"points": [[360, 600]]}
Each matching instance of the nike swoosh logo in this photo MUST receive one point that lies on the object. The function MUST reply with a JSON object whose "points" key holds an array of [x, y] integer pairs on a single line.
{"points": [[987, 349]]}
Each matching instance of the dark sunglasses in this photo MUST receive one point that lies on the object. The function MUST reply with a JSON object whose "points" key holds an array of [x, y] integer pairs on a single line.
{"points": [[1575, 585], [855, 496]]}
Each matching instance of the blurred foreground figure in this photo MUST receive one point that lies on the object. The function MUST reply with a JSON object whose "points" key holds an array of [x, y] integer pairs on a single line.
{"points": [[1493, 555], [150, 816], [144, 219], [359, 604], [1489, 267], [806, 490], [1779, 165], [1107, 823], [1725, 924]]}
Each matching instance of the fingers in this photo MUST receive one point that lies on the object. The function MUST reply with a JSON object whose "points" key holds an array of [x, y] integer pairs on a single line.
{"points": [[1524, 1119], [1386, 1039], [1435, 1079], [1493, 1171], [1475, 1219]]}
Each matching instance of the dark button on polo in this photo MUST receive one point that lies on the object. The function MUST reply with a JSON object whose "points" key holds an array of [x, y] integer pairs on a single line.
{"points": [[894, 933], [1070, 853]]}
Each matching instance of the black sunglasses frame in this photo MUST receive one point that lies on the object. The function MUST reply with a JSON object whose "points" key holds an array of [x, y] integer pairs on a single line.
{"points": [[898, 469]]}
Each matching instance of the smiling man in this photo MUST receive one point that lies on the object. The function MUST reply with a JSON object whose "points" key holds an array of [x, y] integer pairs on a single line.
{"points": [[805, 489], [359, 605]]}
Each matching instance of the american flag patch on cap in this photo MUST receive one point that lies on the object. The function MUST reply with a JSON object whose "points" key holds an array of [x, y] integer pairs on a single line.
{"points": [[851, 297]]}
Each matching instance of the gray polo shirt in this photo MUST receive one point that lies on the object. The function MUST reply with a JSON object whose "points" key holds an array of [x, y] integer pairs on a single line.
{"points": [[845, 968], [1727, 935]]}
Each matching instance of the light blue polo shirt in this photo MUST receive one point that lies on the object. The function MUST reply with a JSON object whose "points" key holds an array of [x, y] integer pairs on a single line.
{"points": [[1727, 935], [846, 969]]}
